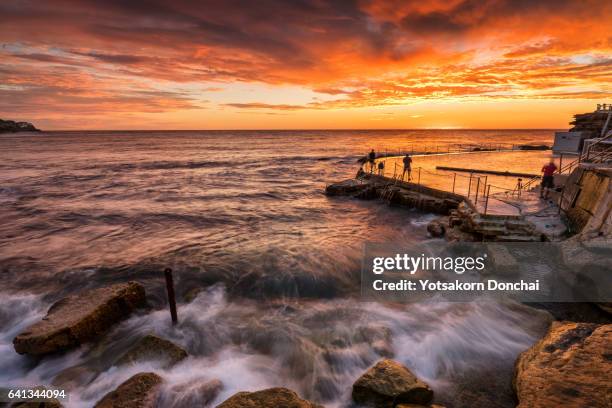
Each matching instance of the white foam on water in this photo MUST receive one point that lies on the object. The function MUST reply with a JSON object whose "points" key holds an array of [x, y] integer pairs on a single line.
{"points": [[310, 347]]}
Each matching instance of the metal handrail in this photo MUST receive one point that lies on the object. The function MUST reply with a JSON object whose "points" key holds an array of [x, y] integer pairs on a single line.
{"points": [[583, 157]]}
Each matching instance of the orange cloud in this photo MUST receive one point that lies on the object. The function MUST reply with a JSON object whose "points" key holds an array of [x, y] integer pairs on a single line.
{"points": [[98, 59]]}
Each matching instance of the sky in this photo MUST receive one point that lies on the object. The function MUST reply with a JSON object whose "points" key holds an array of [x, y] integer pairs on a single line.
{"points": [[282, 64]]}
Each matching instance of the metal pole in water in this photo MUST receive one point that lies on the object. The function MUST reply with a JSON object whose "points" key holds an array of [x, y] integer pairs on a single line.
{"points": [[419, 177], [171, 298], [454, 178]]}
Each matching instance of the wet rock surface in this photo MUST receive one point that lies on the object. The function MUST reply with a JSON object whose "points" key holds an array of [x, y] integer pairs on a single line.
{"points": [[569, 367], [389, 383], [153, 348], [272, 397], [80, 318], [369, 187], [345, 187], [139, 391]]}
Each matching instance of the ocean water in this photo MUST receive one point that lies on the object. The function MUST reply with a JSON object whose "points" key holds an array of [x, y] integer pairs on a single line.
{"points": [[266, 267]]}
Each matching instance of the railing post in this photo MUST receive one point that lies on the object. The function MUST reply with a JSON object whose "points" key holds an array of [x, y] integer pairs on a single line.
{"points": [[477, 188], [488, 192], [469, 186], [560, 162], [419, 177], [519, 186], [454, 179], [171, 298]]}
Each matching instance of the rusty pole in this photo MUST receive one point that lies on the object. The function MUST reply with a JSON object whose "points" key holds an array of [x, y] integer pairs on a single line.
{"points": [[171, 298]]}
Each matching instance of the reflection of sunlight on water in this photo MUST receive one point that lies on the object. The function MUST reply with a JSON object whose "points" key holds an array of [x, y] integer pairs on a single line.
{"points": [[317, 348]]}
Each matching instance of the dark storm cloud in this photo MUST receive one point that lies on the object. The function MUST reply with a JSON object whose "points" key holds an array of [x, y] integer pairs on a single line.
{"points": [[471, 14]]}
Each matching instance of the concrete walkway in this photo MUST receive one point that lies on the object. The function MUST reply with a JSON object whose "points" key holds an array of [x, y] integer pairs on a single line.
{"points": [[470, 187]]}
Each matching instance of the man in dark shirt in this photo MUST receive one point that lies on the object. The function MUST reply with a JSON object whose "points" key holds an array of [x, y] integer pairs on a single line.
{"points": [[371, 158], [407, 166]]}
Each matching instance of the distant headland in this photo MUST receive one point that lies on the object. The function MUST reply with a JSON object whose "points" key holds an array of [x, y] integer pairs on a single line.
{"points": [[10, 126]]}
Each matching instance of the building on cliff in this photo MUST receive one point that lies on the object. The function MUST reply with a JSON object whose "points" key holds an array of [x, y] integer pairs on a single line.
{"points": [[586, 129]]}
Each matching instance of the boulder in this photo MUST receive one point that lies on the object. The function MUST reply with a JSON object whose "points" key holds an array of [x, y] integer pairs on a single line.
{"points": [[80, 318], [153, 348], [569, 367], [436, 229], [139, 391], [272, 397], [389, 383]]}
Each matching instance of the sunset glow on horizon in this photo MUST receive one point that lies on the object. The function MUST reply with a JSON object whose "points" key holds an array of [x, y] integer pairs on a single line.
{"points": [[271, 64]]}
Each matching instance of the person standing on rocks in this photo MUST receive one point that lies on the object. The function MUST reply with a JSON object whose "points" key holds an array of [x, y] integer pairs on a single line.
{"points": [[371, 158], [548, 181], [381, 168], [407, 166]]}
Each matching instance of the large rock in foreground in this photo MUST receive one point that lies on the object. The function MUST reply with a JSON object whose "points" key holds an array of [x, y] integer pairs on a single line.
{"points": [[272, 397], [79, 318], [139, 391], [389, 383], [570, 367]]}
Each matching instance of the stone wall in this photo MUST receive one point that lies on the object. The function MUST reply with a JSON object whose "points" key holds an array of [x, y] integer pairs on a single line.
{"points": [[587, 200]]}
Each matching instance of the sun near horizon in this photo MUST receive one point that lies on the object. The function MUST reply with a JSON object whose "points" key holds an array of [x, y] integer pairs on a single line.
{"points": [[315, 65]]}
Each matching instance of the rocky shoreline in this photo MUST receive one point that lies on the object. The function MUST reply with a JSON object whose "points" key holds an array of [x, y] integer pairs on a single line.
{"points": [[567, 367], [10, 126], [570, 365]]}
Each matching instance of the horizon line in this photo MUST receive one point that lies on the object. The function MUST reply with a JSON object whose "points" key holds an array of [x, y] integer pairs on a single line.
{"points": [[280, 129]]}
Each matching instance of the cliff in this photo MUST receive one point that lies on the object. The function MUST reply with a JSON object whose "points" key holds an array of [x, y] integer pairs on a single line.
{"points": [[9, 126]]}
